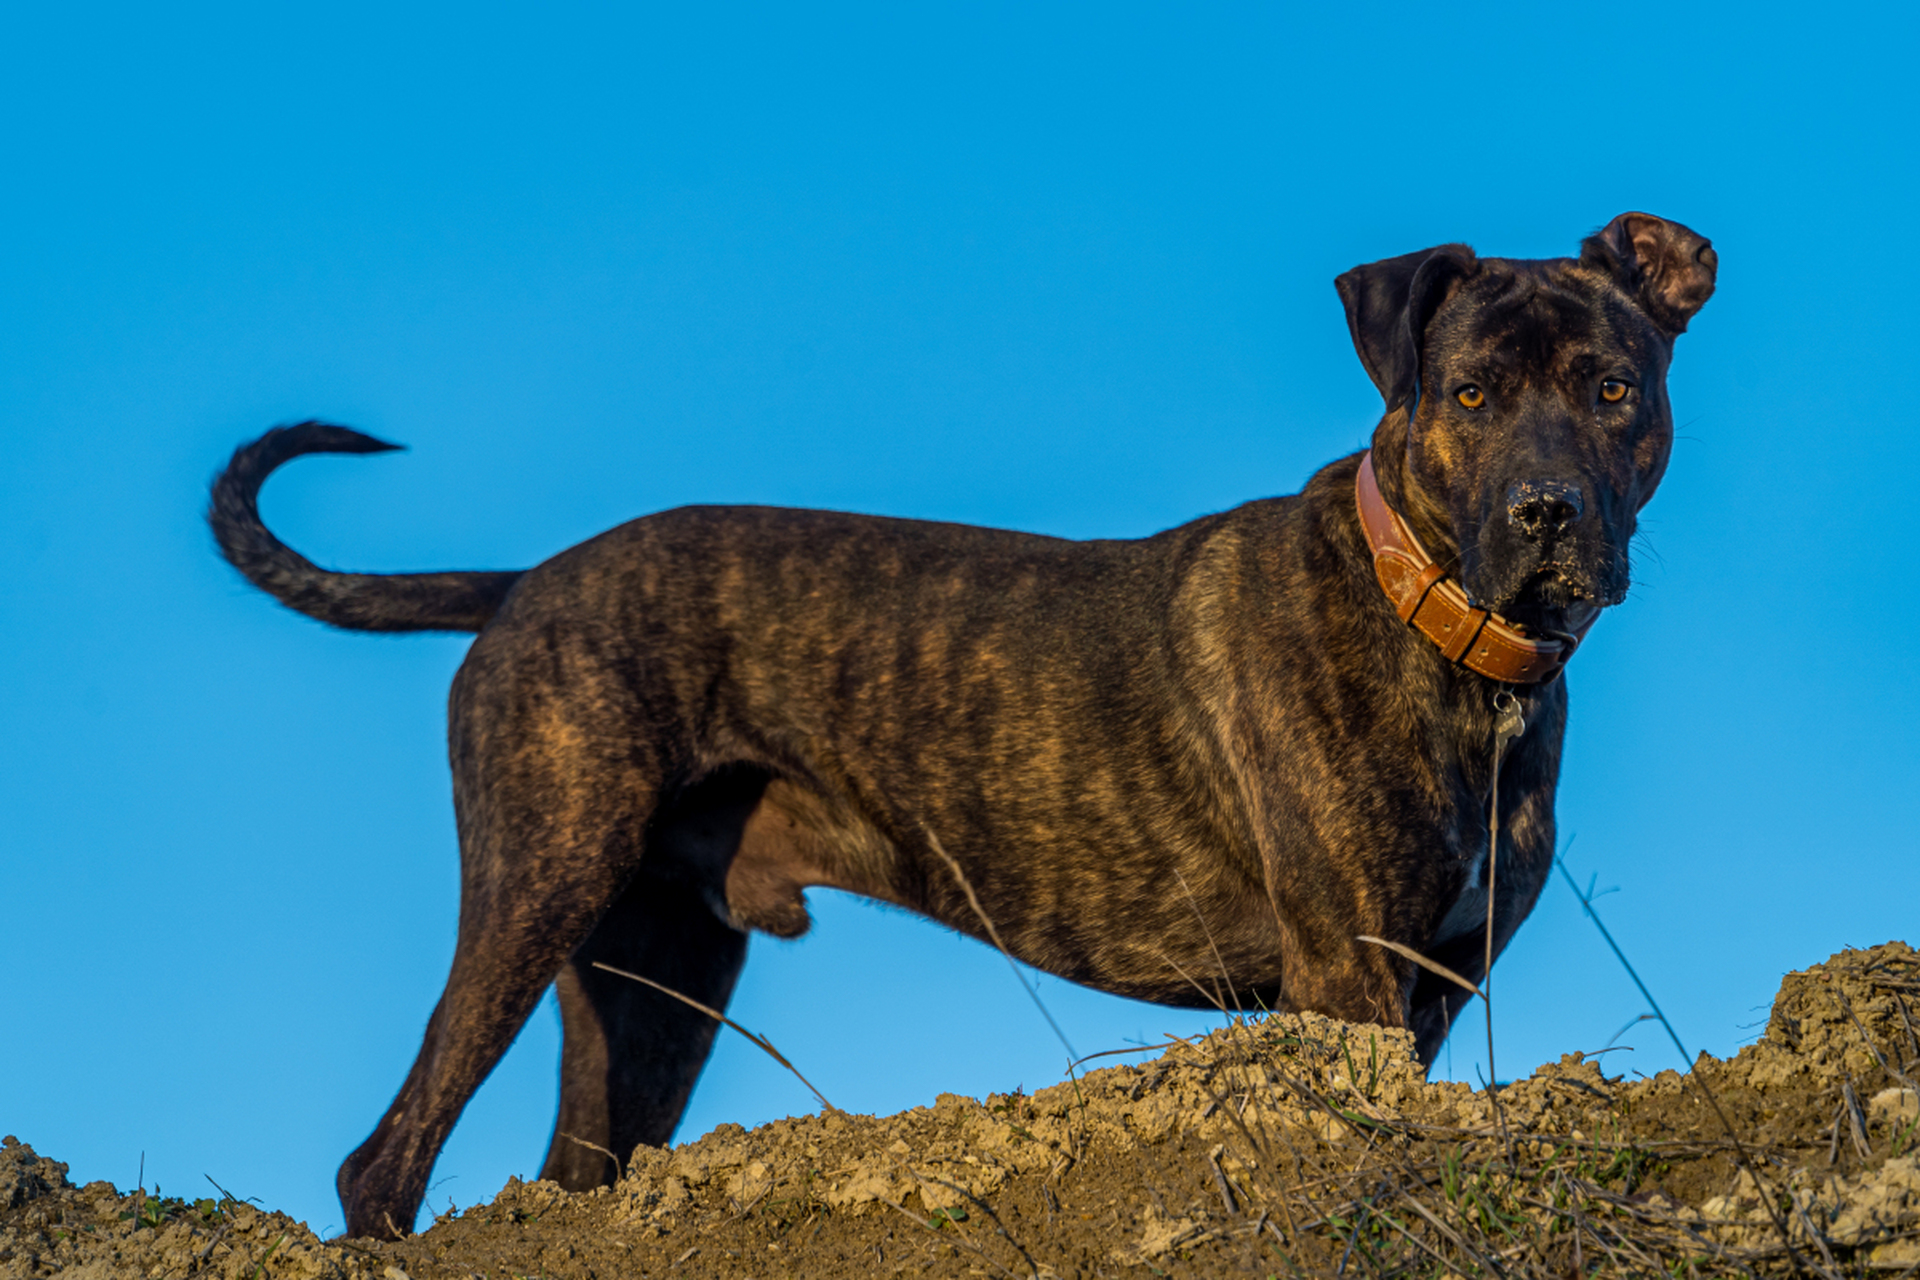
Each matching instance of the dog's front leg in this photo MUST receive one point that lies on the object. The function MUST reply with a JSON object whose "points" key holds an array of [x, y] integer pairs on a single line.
{"points": [[1347, 979], [1358, 874], [1525, 862]]}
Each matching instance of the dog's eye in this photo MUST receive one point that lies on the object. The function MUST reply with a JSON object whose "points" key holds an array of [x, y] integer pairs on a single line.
{"points": [[1470, 396], [1613, 391]]}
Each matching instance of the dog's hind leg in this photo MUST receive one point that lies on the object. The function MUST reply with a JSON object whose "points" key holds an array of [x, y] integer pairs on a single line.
{"points": [[551, 807], [502, 963], [631, 1054]]}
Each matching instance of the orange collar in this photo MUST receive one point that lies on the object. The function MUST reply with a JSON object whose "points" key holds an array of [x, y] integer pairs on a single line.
{"points": [[1426, 598]]}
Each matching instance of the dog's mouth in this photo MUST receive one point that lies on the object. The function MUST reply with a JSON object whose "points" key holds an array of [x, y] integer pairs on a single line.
{"points": [[1554, 596]]}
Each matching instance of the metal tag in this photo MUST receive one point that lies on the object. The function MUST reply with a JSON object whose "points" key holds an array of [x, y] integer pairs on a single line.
{"points": [[1508, 722]]}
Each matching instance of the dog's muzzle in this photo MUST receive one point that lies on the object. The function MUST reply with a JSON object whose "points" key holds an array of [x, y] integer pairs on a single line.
{"points": [[1544, 557]]}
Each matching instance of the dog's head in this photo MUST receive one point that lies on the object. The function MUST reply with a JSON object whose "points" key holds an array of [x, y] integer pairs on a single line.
{"points": [[1527, 418]]}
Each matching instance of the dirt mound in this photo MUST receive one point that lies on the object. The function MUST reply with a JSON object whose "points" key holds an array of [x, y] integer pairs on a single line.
{"points": [[1286, 1145]]}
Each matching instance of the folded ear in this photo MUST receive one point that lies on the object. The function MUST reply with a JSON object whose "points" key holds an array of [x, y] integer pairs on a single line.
{"points": [[1666, 267], [1388, 306]]}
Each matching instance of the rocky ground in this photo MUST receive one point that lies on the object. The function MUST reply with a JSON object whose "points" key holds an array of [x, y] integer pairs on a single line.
{"points": [[1287, 1145]]}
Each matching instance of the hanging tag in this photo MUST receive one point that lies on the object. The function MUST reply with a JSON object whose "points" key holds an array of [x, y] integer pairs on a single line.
{"points": [[1508, 722]]}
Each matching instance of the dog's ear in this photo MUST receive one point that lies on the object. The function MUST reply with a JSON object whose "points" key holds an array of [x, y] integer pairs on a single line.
{"points": [[1666, 267], [1388, 306]]}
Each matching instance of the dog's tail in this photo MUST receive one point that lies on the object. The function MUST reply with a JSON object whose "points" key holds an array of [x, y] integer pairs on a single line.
{"points": [[357, 601]]}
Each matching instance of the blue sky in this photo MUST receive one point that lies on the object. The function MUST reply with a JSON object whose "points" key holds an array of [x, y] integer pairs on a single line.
{"points": [[1066, 269]]}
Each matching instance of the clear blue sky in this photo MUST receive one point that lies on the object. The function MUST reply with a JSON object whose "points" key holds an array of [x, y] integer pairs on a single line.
{"points": [[1062, 269]]}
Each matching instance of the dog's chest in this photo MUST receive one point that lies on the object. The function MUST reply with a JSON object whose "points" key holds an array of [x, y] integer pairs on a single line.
{"points": [[1466, 851]]}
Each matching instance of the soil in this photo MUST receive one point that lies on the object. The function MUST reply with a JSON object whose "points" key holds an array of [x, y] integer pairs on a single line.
{"points": [[1285, 1145]]}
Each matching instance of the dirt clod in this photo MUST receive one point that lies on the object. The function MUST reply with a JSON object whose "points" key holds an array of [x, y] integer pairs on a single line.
{"points": [[25, 1176], [1292, 1144]]}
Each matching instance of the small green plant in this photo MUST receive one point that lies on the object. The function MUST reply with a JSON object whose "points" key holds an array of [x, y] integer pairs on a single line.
{"points": [[153, 1210], [1904, 1138]]}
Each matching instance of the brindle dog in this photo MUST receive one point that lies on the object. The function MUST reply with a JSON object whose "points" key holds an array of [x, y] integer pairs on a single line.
{"points": [[1214, 753]]}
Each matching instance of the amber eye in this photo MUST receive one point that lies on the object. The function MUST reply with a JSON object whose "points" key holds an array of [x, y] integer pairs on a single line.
{"points": [[1613, 391], [1470, 396]]}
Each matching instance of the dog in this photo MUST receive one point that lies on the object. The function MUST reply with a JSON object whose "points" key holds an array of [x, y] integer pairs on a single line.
{"points": [[1236, 751]]}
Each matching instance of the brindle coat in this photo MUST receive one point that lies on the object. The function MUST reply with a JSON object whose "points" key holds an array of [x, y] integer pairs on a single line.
{"points": [[664, 735]]}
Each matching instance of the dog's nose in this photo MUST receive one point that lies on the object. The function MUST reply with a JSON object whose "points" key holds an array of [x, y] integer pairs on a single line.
{"points": [[1542, 508]]}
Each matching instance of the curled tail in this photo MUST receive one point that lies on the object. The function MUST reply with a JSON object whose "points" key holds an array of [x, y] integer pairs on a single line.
{"points": [[357, 601]]}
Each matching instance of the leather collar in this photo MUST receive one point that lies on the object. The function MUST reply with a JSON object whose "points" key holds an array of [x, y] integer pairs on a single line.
{"points": [[1427, 599]]}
